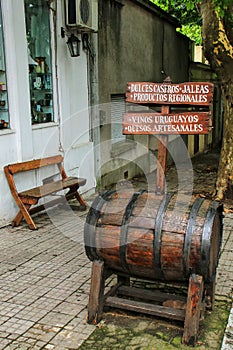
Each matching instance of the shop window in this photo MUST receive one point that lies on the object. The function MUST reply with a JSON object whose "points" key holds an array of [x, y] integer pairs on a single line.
{"points": [[39, 60], [117, 111], [4, 112]]}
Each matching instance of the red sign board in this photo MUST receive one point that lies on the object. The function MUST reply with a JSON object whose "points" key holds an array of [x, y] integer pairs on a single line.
{"points": [[172, 123], [170, 94]]}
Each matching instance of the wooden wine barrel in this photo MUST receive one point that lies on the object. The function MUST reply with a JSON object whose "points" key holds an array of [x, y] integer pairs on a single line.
{"points": [[165, 237]]}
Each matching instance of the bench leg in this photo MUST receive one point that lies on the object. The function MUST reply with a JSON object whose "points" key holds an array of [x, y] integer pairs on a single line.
{"points": [[24, 213], [81, 200], [17, 220], [74, 193]]}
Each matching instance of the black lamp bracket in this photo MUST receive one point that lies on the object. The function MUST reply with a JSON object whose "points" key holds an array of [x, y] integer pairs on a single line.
{"points": [[63, 32], [66, 33], [87, 44]]}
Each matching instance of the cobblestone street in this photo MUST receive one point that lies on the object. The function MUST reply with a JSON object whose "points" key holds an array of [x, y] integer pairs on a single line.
{"points": [[45, 281]]}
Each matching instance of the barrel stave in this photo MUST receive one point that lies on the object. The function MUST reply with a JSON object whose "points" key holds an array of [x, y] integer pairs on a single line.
{"points": [[215, 245], [111, 219], [147, 205], [196, 240], [140, 247], [107, 245], [171, 255]]}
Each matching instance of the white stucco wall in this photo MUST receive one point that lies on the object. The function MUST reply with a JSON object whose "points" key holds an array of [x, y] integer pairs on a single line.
{"points": [[68, 134]]}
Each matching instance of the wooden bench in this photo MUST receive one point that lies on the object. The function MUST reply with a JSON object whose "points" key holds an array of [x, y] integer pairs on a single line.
{"points": [[31, 196]]}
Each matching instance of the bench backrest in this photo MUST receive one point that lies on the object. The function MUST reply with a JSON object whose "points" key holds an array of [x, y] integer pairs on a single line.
{"points": [[33, 164]]}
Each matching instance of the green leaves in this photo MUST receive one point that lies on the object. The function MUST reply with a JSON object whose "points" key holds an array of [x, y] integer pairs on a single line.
{"points": [[193, 31], [189, 5], [187, 14]]}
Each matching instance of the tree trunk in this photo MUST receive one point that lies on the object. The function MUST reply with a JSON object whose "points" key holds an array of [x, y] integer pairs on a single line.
{"points": [[219, 52], [225, 169]]}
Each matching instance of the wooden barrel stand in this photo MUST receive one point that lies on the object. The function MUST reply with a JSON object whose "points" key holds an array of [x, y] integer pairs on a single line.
{"points": [[153, 238]]}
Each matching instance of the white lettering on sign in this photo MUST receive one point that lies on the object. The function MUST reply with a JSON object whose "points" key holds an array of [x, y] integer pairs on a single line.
{"points": [[154, 123], [137, 129], [162, 93], [142, 119], [178, 129], [151, 87], [176, 118]]}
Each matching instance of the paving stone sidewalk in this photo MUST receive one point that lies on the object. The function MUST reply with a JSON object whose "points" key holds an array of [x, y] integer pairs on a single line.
{"points": [[44, 284], [45, 277]]}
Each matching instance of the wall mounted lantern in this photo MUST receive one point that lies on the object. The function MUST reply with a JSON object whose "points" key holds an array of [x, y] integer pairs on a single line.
{"points": [[73, 43]]}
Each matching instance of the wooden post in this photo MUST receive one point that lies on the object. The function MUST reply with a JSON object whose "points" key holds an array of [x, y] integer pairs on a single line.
{"points": [[210, 294], [162, 152], [162, 158], [193, 309], [96, 297]]}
